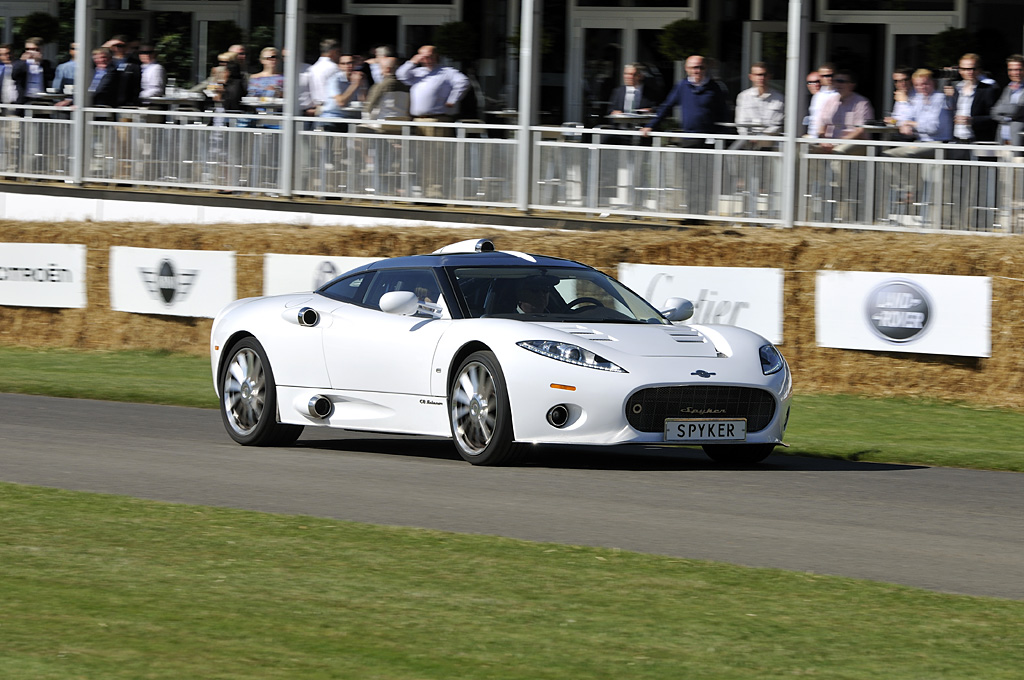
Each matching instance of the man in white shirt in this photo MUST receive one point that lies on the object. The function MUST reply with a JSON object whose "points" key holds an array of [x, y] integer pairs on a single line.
{"points": [[325, 68], [825, 92], [760, 110], [154, 79]]}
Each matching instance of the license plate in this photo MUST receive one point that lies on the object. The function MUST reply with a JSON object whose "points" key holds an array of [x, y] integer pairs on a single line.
{"points": [[705, 430]]}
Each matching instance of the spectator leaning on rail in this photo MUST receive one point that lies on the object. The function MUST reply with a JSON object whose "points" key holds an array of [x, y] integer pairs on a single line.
{"points": [[926, 118], [760, 110], [701, 99], [826, 90], [842, 117], [344, 89], [1009, 110]]}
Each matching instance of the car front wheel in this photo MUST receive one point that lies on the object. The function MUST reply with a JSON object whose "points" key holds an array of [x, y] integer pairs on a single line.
{"points": [[248, 398], [480, 415], [738, 454]]}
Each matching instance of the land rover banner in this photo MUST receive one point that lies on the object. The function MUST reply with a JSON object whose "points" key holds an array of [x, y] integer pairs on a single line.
{"points": [[921, 313], [195, 283], [42, 275]]}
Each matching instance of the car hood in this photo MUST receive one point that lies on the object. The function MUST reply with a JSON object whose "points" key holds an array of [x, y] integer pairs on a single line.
{"points": [[640, 339]]}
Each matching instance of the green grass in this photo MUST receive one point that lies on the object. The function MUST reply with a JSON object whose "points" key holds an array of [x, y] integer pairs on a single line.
{"points": [[108, 587], [835, 426]]}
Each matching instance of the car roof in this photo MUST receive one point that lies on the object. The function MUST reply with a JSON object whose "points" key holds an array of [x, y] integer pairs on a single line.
{"points": [[496, 258]]}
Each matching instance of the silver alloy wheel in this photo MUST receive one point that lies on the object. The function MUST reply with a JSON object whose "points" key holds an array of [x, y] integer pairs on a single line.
{"points": [[245, 391], [474, 407]]}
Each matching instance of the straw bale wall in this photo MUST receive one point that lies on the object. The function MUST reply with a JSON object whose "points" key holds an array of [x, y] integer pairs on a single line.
{"points": [[996, 381]]}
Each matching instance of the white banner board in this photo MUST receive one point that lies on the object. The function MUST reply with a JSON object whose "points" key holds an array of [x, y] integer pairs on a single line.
{"points": [[42, 275], [736, 296], [921, 313], [194, 283], [300, 273]]}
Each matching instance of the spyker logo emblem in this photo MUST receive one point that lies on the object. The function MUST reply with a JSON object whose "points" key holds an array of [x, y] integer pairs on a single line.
{"points": [[700, 373], [166, 284]]}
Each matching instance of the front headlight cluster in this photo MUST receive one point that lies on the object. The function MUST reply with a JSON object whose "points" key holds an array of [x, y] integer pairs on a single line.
{"points": [[570, 354], [771, 360]]}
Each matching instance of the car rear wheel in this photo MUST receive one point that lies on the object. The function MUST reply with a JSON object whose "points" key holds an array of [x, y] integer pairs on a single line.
{"points": [[738, 454], [480, 415], [248, 398]]}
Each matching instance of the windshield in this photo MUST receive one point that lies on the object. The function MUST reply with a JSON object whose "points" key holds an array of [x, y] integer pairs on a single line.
{"points": [[551, 294]]}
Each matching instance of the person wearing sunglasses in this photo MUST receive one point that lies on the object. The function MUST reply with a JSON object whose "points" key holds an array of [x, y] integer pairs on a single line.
{"points": [[269, 82], [901, 96], [1009, 110], [843, 116], [972, 101], [825, 92]]}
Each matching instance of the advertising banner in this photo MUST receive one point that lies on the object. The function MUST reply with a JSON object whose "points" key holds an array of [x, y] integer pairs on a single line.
{"points": [[920, 313], [194, 283], [735, 296], [300, 273], [42, 275]]}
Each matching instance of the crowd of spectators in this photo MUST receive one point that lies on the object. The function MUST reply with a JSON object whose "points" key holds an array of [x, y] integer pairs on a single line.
{"points": [[964, 105]]}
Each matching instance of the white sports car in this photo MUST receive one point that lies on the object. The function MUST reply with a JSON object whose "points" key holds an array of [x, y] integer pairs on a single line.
{"points": [[497, 350]]}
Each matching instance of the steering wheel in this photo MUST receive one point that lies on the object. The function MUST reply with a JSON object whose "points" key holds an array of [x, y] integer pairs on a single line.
{"points": [[593, 302]]}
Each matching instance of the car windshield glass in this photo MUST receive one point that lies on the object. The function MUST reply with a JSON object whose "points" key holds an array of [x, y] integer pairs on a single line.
{"points": [[533, 293]]}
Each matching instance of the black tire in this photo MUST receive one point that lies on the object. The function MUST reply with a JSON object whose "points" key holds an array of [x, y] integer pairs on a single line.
{"points": [[479, 412], [738, 454], [248, 398]]}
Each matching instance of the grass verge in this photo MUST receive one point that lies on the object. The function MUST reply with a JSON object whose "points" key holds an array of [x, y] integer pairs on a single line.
{"points": [[836, 426], [109, 587]]}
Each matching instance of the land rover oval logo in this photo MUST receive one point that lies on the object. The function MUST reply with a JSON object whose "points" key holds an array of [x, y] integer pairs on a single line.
{"points": [[898, 311]]}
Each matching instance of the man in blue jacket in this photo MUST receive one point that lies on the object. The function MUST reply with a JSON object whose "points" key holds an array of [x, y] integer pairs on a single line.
{"points": [[703, 105], [702, 101]]}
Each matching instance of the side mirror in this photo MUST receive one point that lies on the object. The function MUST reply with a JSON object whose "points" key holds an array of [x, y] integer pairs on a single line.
{"points": [[677, 309], [405, 303]]}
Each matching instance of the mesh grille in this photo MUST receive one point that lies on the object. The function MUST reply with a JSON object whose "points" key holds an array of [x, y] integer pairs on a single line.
{"points": [[647, 409]]}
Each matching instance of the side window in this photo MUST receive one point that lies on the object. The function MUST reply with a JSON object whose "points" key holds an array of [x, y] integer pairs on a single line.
{"points": [[348, 289], [419, 281]]}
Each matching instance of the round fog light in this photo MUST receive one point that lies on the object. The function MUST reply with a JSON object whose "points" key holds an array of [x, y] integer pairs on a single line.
{"points": [[558, 416]]}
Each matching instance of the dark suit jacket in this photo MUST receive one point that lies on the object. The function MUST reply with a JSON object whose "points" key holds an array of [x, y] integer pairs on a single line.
{"points": [[129, 83], [982, 122], [19, 73], [618, 99], [106, 93]]}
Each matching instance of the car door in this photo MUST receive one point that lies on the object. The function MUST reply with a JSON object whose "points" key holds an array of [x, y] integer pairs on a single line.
{"points": [[368, 350]]}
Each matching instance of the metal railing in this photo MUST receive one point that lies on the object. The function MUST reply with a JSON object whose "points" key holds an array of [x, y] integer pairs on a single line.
{"points": [[572, 169]]}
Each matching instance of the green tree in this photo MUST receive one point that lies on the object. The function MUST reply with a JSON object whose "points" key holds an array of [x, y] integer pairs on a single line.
{"points": [[458, 41], [682, 38], [36, 25]]}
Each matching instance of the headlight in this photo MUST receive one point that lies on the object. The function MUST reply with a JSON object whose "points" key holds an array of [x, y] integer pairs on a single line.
{"points": [[570, 354], [771, 360]]}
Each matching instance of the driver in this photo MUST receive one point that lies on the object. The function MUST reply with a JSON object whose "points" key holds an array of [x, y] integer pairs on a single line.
{"points": [[533, 295]]}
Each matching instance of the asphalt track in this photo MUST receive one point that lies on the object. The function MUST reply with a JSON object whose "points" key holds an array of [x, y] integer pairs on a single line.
{"points": [[959, 531]]}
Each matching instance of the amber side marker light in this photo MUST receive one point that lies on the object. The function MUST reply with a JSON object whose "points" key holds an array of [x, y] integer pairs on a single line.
{"points": [[568, 388]]}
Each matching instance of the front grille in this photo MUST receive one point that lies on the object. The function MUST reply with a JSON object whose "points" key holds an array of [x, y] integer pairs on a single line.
{"points": [[647, 409]]}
